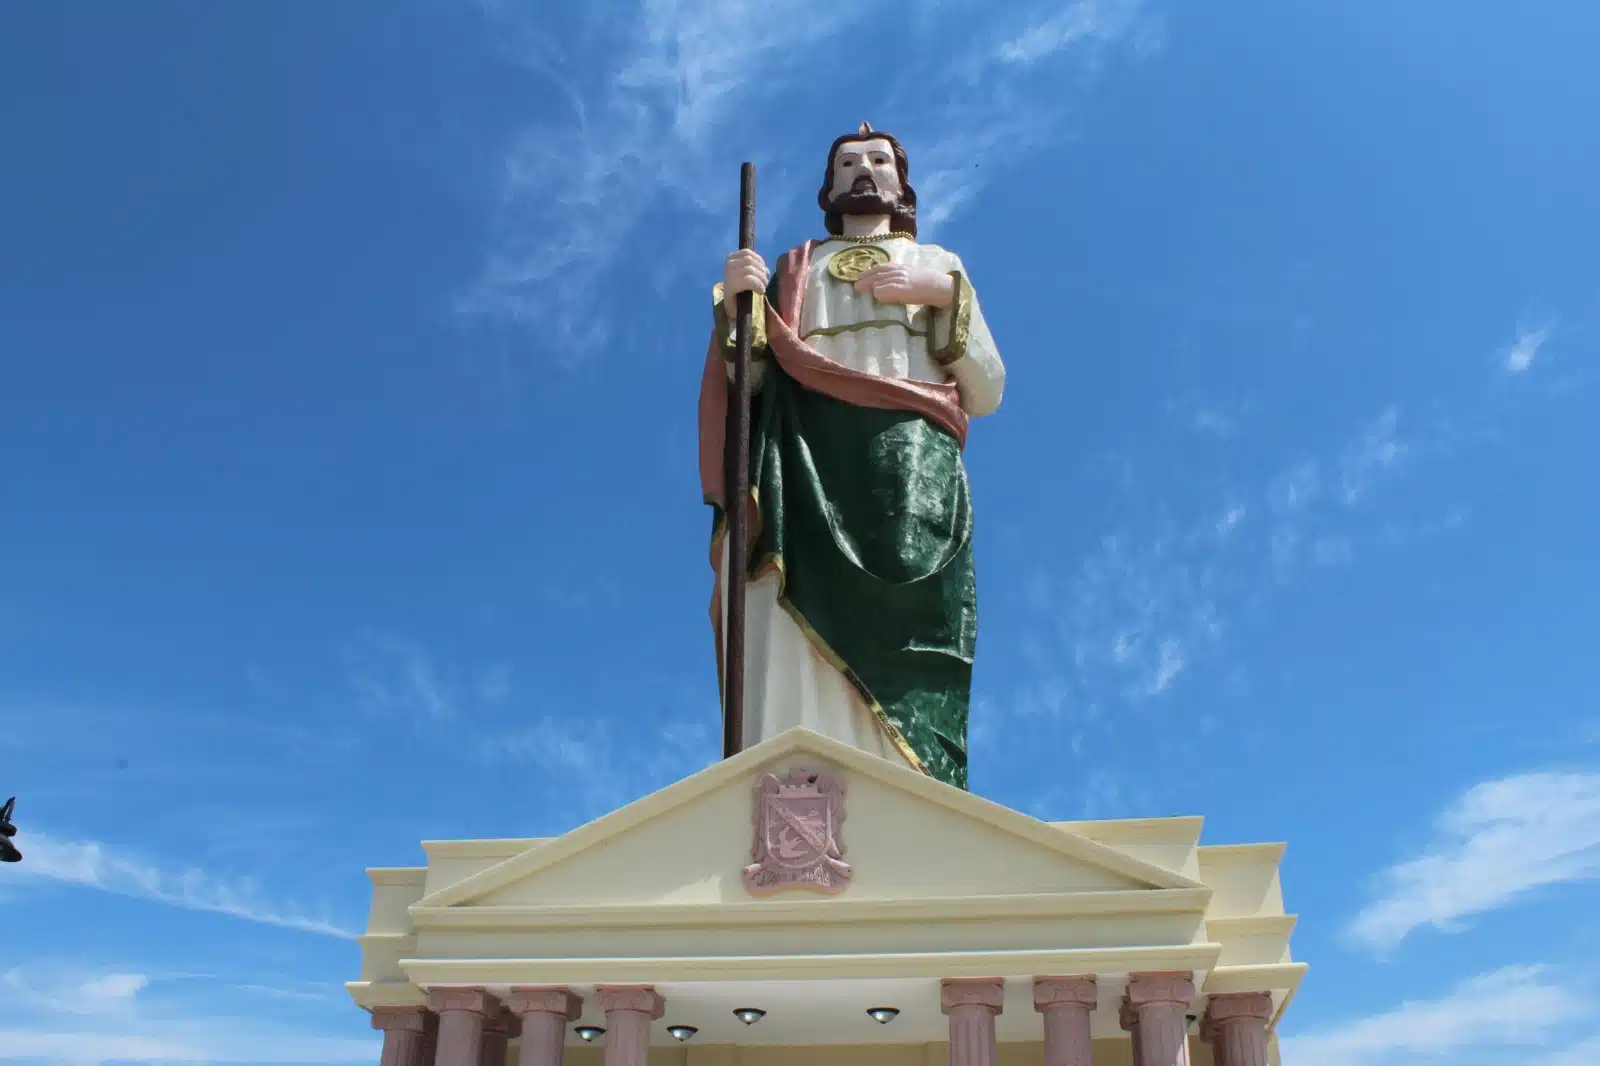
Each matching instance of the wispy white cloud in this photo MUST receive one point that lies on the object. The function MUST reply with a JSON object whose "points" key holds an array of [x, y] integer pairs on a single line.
{"points": [[293, 995], [71, 991], [1169, 664], [1334, 550], [1231, 519], [91, 864], [393, 676], [494, 685], [85, 1016], [1377, 452], [1520, 356], [584, 762], [1207, 415], [1582, 1053], [1521, 1014], [1117, 633], [643, 132], [1497, 844], [1049, 33], [1136, 615], [681, 90], [597, 767], [989, 96], [1296, 488]]}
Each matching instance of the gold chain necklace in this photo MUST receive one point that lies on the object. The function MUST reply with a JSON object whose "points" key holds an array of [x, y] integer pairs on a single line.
{"points": [[873, 237]]}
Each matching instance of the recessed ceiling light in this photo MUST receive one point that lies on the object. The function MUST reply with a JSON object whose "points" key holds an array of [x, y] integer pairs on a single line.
{"points": [[589, 1033], [883, 1015], [680, 1033], [749, 1015]]}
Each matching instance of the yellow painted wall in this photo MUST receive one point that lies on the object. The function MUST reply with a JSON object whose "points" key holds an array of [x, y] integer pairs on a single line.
{"points": [[902, 848], [1243, 879], [1098, 931]]}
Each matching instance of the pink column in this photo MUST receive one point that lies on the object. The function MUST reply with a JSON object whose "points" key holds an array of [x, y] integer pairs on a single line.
{"points": [[972, 1005], [629, 1011], [545, 1013], [406, 1032], [1065, 1003], [1235, 1025], [461, 1012], [1158, 1005], [498, 1029]]}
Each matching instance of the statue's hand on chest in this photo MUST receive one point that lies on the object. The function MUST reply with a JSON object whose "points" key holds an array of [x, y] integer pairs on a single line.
{"points": [[894, 283]]}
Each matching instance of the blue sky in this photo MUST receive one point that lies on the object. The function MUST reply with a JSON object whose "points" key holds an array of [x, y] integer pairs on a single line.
{"points": [[349, 356]]}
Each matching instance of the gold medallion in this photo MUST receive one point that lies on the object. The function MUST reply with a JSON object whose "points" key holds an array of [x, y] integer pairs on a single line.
{"points": [[850, 263]]}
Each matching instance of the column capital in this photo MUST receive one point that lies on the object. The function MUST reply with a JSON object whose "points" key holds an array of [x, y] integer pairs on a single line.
{"points": [[470, 1000], [1053, 993], [404, 1019], [641, 998], [1234, 1007], [1066, 1003], [1168, 987], [502, 1021], [987, 992], [538, 999]]}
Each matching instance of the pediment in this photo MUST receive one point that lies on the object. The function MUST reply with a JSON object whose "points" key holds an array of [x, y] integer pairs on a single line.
{"points": [[905, 837]]}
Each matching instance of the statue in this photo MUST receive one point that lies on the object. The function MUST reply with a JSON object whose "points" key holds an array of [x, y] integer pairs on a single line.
{"points": [[870, 355]]}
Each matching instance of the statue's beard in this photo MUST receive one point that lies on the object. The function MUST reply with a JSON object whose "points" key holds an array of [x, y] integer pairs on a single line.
{"points": [[864, 198]]}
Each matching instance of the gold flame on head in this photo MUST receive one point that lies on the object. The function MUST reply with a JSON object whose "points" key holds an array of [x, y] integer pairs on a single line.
{"points": [[866, 128]]}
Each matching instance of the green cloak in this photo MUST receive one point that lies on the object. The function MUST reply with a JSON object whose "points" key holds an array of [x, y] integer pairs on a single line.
{"points": [[865, 513]]}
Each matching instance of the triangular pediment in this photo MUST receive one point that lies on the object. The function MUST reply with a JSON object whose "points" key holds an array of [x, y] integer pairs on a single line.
{"points": [[906, 836]]}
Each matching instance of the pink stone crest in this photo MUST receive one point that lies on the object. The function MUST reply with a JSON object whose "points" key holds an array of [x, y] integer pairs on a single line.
{"points": [[797, 845]]}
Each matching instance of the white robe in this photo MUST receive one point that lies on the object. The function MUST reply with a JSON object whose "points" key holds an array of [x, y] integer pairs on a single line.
{"points": [[787, 681]]}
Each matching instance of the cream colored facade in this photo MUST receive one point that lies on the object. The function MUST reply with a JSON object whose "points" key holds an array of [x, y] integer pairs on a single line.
{"points": [[945, 885]]}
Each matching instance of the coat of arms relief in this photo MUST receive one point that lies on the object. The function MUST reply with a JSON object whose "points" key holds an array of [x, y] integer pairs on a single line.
{"points": [[797, 838]]}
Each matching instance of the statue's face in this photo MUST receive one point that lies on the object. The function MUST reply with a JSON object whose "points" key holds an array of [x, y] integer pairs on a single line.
{"points": [[864, 177]]}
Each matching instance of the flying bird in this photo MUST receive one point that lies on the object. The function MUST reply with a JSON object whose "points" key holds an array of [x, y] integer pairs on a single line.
{"points": [[8, 850]]}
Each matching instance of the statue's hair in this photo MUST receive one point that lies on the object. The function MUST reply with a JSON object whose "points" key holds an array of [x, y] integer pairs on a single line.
{"points": [[904, 217]]}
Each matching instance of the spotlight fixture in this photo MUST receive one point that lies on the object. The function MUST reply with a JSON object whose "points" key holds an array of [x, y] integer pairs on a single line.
{"points": [[883, 1015], [749, 1015], [681, 1033], [589, 1033]]}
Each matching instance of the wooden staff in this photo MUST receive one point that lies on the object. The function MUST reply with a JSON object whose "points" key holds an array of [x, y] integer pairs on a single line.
{"points": [[736, 450]]}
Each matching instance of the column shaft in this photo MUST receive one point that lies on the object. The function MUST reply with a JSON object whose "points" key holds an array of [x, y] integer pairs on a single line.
{"points": [[1066, 1003], [405, 1035], [461, 1012], [1236, 1027], [545, 1013], [1163, 1039], [1159, 1003], [498, 1029], [972, 1006], [629, 1012], [1130, 1022]]}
